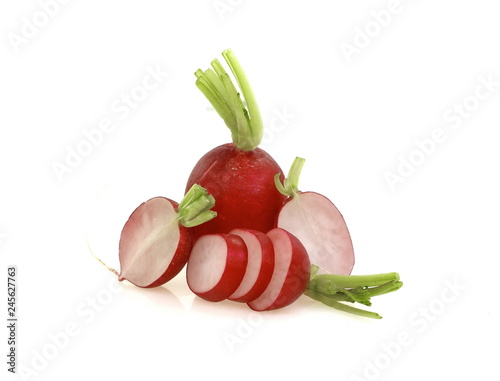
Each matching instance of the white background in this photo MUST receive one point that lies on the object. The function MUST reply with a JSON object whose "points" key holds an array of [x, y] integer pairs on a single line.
{"points": [[354, 117]]}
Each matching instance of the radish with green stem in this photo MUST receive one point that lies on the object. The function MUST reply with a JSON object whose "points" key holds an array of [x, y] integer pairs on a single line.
{"points": [[155, 242], [317, 223], [239, 175]]}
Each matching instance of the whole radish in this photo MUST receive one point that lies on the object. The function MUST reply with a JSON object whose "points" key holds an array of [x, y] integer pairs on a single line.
{"points": [[317, 223], [155, 242], [239, 175]]}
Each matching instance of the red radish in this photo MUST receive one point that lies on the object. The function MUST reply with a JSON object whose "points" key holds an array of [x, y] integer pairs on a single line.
{"points": [[317, 223], [239, 175], [155, 242], [291, 272], [259, 268], [216, 266]]}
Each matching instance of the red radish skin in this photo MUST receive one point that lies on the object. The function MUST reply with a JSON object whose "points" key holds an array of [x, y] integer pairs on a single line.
{"points": [[291, 273], [259, 268], [317, 223], [153, 246], [216, 266], [242, 182]]}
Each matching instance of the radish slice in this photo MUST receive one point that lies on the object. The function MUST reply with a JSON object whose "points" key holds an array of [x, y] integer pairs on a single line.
{"points": [[216, 266], [259, 268], [155, 242], [291, 273], [317, 223], [153, 246]]}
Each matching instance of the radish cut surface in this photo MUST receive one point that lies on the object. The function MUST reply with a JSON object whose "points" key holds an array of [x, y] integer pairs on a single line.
{"points": [[259, 268], [321, 228], [153, 246], [290, 276], [216, 266]]}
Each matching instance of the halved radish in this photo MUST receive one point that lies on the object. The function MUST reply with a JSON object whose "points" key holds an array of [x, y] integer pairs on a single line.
{"points": [[259, 268], [317, 223], [291, 273], [155, 242], [216, 266]]}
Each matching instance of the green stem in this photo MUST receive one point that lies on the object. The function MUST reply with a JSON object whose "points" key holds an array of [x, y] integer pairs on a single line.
{"points": [[245, 123], [332, 289], [385, 288], [353, 281], [340, 306], [194, 209], [290, 186]]}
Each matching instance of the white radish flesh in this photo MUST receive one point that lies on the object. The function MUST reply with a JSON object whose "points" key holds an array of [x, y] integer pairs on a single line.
{"points": [[216, 266], [290, 276], [259, 268], [153, 246], [321, 228]]}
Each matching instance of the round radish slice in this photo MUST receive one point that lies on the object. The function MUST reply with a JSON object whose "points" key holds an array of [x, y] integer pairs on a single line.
{"points": [[259, 268], [153, 246], [291, 272], [216, 266]]}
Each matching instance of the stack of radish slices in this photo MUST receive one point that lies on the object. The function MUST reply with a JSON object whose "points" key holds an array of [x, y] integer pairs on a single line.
{"points": [[246, 233], [266, 271]]}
